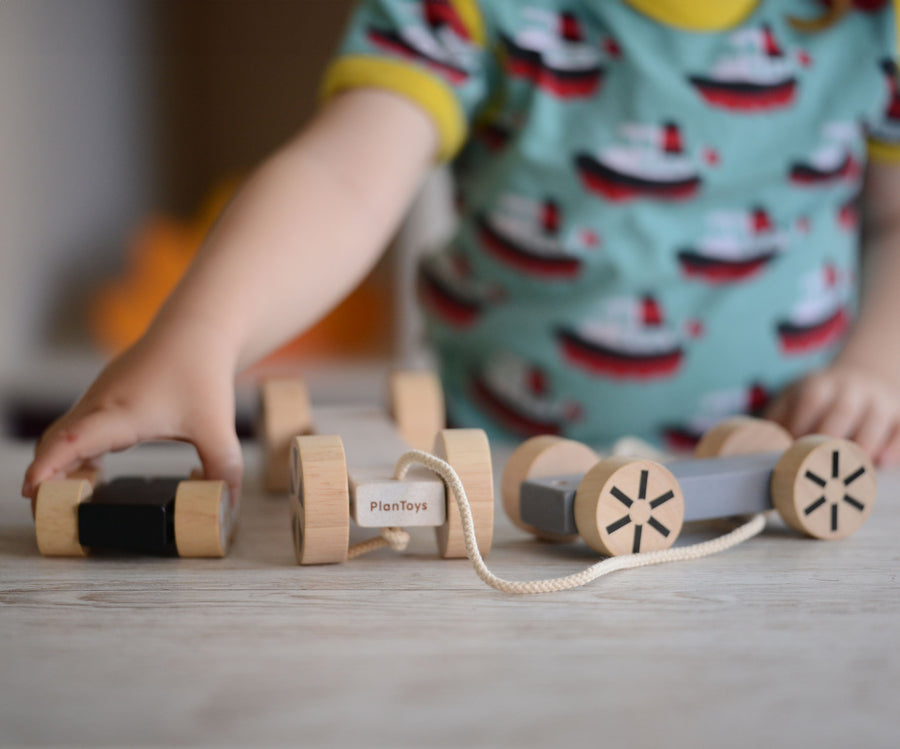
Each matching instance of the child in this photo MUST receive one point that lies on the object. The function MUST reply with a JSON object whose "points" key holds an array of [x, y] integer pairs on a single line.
{"points": [[658, 226]]}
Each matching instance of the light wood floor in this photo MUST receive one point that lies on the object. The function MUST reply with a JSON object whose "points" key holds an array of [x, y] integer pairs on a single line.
{"points": [[779, 642]]}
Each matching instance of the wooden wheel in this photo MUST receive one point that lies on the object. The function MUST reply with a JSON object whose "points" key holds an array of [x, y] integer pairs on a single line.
{"points": [[320, 499], [743, 435], [626, 506], [284, 413], [824, 487], [56, 516], [467, 450], [537, 457], [203, 519], [417, 407]]}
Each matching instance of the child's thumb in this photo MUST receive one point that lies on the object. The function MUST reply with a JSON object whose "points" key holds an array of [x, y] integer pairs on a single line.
{"points": [[220, 454]]}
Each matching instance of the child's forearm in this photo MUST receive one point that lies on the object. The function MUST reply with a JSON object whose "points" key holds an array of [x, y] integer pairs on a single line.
{"points": [[874, 343], [306, 227]]}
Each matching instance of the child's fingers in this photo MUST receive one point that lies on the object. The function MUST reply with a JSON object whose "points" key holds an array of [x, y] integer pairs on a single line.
{"points": [[875, 429], [778, 410], [890, 455], [220, 454], [74, 442], [844, 415], [809, 405]]}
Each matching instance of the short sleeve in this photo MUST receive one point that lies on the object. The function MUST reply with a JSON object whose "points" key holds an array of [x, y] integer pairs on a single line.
{"points": [[884, 134], [433, 52]]}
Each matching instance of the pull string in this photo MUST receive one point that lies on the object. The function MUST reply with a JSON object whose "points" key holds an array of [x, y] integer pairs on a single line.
{"points": [[629, 561]]}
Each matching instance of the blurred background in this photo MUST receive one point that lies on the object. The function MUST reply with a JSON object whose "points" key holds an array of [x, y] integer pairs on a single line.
{"points": [[125, 126]]}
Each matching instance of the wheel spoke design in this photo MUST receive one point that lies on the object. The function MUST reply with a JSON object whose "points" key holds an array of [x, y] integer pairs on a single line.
{"points": [[642, 491], [620, 523], [816, 479], [854, 502], [826, 499], [855, 475], [637, 539], [658, 527], [621, 496], [662, 499], [814, 506]]}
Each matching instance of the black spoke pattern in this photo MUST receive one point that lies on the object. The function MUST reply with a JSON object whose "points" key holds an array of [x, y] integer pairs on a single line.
{"points": [[642, 491], [621, 496], [620, 523], [816, 479], [835, 475], [658, 527], [662, 499], [855, 475], [854, 502], [637, 539], [814, 506]]}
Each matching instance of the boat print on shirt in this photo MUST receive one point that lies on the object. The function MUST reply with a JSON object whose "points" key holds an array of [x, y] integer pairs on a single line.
{"points": [[648, 162], [552, 52], [448, 290], [435, 36], [820, 317], [737, 247], [519, 396], [525, 235], [714, 408], [754, 76], [833, 161], [628, 340]]}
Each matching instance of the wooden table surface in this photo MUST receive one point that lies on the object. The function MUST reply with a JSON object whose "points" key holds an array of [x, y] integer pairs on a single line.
{"points": [[782, 641]]}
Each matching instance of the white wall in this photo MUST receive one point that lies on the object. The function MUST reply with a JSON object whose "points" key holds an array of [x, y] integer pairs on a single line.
{"points": [[75, 154]]}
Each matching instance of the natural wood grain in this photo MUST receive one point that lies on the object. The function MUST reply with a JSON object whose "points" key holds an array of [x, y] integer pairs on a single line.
{"points": [[203, 519], [624, 506], [417, 406], [743, 435], [284, 413], [783, 641], [545, 455]]}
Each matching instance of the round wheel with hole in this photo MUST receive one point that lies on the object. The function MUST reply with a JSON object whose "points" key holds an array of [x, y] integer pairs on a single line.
{"points": [[546, 455], [824, 487], [284, 413], [743, 435], [320, 499], [417, 407], [467, 450], [56, 516], [203, 518], [627, 506]]}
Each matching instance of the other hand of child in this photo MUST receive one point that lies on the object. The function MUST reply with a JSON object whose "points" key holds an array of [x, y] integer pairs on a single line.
{"points": [[166, 387], [846, 401]]}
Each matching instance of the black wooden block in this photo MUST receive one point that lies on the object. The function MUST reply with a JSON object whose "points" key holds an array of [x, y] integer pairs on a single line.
{"points": [[135, 515]]}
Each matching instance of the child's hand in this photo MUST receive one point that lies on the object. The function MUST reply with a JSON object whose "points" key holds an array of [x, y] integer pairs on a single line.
{"points": [[844, 401], [165, 387]]}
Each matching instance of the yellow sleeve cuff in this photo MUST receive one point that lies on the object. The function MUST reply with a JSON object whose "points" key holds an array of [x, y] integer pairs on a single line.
{"points": [[885, 153], [428, 91]]}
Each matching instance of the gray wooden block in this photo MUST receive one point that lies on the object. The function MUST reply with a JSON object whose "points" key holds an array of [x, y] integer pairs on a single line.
{"points": [[712, 488]]}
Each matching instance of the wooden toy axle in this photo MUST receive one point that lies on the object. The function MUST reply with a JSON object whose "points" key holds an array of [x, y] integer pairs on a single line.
{"points": [[161, 516]]}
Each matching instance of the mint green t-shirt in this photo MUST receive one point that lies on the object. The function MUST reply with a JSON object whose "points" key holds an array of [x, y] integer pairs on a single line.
{"points": [[658, 224]]}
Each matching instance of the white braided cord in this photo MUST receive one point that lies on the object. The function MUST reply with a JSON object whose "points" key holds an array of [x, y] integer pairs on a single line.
{"points": [[679, 554]]}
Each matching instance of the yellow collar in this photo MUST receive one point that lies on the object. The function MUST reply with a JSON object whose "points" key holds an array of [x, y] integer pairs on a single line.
{"points": [[696, 15]]}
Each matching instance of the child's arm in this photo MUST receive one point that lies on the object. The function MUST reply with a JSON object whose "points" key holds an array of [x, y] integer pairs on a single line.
{"points": [[858, 395], [298, 237]]}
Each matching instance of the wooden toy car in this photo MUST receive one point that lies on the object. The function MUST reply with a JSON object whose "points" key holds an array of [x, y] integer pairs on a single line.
{"points": [[161, 516], [347, 469], [558, 490], [416, 405]]}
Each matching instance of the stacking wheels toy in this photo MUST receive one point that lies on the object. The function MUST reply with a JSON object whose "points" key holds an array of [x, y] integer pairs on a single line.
{"points": [[822, 487], [160, 516]]}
